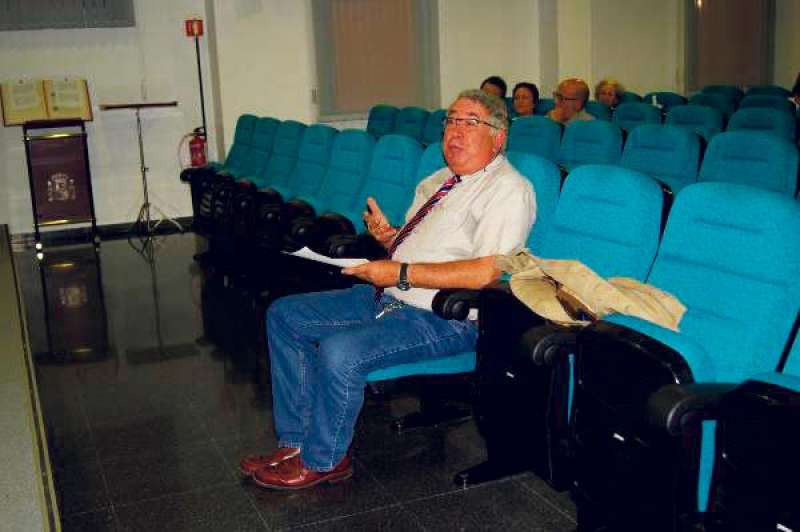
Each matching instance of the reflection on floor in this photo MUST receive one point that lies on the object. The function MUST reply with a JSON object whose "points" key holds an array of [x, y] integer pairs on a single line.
{"points": [[154, 383]]}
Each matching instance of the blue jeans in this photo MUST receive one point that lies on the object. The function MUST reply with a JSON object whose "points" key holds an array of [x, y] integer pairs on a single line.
{"points": [[322, 346]]}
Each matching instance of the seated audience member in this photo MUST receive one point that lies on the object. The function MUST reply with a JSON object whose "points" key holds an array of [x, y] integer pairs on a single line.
{"points": [[609, 92], [526, 96], [495, 85], [322, 345], [570, 100]]}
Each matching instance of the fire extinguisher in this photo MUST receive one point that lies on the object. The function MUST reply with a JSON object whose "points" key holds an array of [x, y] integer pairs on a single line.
{"points": [[197, 148]]}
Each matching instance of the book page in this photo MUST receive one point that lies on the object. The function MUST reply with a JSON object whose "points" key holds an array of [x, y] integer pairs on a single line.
{"points": [[22, 100], [67, 98]]}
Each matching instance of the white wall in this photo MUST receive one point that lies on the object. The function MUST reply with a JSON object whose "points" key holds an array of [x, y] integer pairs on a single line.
{"points": [[265, 62], [151, 62], [478, 39], [639, 43], [574, 25], [787, 42], [266, 59]]}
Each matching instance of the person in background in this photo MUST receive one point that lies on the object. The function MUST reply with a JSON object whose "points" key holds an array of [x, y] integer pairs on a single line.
{"points": [[525, 97], [609, 92], [496, 86], [323, 345], [570, 100], [796, 91]]}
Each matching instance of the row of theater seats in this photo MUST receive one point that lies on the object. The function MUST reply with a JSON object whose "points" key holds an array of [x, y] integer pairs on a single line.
{"points": [[759, 113], [292, 159], [670, 152], [330, 174], [653, 429], [414, 122], [611, 423], [599, 409], [724, 98], [708, 113], [705, 120]]}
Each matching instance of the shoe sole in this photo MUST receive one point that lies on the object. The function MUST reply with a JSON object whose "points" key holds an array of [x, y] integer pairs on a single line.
{"points": [[333, 479]]}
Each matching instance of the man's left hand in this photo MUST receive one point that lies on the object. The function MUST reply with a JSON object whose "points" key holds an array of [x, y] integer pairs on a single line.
{"points": [[381, 273]]}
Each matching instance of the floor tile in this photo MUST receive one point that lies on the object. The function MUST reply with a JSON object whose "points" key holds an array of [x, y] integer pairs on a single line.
{"points": [[287, 509], [392, 519], [102, 521], [81, 488], [497, 506], [148, 435], [216, 508], [168, 471]]}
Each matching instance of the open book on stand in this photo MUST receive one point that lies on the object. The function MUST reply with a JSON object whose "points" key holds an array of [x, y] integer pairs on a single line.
{"points": [[44, 99]]}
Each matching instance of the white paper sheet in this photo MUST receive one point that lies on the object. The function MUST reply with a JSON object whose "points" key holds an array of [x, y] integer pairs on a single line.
{"points": [[311, 255]]}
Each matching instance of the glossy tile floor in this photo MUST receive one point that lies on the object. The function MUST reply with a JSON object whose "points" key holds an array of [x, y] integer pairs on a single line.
{"points": [[148, 410]]}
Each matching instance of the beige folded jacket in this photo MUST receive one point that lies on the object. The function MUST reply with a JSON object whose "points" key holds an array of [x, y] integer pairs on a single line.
{"points": [[568, 292]]}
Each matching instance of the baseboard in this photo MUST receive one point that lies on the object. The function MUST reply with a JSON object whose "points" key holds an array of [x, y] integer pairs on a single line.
{"points": [[84, 233]]}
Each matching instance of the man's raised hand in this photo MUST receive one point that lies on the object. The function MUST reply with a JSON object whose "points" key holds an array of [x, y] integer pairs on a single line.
{"points": [[377, 223]]}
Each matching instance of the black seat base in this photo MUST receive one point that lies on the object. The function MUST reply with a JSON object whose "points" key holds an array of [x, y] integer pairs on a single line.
{"points": [[488, 471], [431, 417]]}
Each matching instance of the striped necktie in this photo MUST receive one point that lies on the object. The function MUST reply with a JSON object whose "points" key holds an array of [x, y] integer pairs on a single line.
{"points": [[423, 211]]}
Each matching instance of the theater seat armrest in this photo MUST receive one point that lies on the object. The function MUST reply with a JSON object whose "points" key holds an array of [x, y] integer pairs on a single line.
{"points": [[674, 405], [548, 343], [355, 246], [455, 304]]}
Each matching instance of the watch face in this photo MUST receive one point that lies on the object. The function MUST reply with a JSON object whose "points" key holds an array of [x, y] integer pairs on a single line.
{"points": [[404, 285]]}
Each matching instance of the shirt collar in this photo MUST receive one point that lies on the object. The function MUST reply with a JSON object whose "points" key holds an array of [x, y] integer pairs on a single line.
{"points": [[494, 163]]}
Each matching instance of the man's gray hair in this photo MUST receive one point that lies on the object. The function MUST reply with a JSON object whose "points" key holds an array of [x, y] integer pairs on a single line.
{"points": [[496, 107]]}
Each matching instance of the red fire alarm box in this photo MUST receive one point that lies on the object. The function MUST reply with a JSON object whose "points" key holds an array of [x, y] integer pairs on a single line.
{"points": [[194, 27]]}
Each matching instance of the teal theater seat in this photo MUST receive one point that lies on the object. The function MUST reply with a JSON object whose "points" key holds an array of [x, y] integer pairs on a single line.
{"points": [[590, 142], [313, 155], [381, 119], [411, 121], [667, 153], [434, 127], [629, 115], [752, 158], [767, 101], [608, 218], [598, 110], [643, 452], [704, 120], [756, 464], [284, 155], [767, 120], [535, 134]]}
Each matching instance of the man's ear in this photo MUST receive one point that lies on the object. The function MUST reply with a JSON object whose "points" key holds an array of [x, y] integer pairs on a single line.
{"points": [[500, 140]]}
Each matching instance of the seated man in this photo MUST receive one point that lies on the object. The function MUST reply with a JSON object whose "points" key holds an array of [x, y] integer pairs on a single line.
{"points": [[570, 100], [495, 85], [323, 345]]}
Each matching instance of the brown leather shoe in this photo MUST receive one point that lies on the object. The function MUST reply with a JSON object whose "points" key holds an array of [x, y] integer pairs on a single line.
{"points": [[292, 474], [250, 464]]}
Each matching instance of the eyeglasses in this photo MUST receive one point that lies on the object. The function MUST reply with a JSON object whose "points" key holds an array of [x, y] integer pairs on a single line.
{"points": [[469, 123], [559, 96]]}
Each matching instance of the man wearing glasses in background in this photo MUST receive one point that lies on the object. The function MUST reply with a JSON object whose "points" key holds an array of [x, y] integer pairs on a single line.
{"points": [[323, 345], [570, 100]]}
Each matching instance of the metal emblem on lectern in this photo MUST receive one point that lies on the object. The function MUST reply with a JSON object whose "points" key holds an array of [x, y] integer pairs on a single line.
{"points": [[61, 187]]}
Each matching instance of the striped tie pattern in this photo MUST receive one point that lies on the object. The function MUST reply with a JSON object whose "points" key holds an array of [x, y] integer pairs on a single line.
{"points": [[423, 211]]}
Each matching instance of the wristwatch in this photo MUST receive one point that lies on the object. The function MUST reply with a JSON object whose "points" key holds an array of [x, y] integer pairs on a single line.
{"points": [[402, 281]]}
